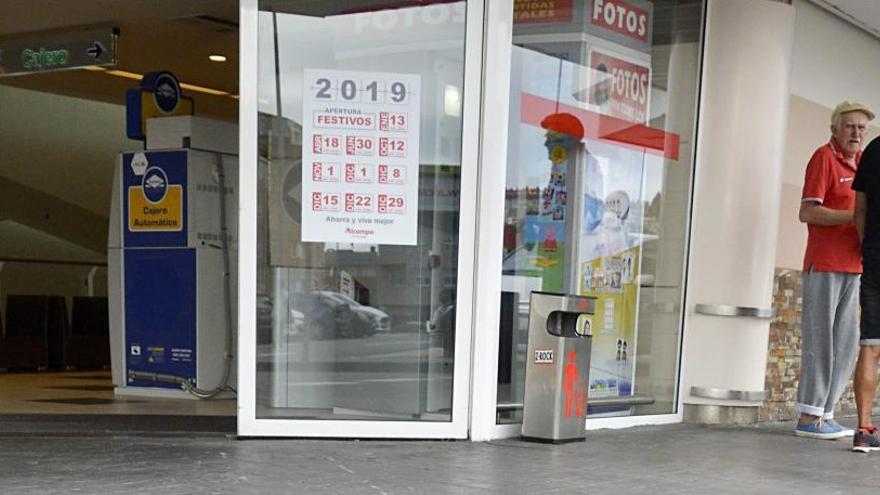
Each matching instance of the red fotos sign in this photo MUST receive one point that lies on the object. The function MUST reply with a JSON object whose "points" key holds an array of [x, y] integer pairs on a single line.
{"points": [[621, 16], [620, 87], [536, 11]]}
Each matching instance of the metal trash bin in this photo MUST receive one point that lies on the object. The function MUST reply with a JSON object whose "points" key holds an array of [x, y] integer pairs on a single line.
{"points": [[557, 367]]}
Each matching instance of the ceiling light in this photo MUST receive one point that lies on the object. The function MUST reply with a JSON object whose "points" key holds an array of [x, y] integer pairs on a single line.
{"points": [[217, 58], [138, 77]]}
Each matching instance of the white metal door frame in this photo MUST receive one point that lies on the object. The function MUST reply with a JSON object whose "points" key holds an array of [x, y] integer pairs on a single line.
{"points": [[484, 165], [489, 242], [490, 232], [248, 423]]}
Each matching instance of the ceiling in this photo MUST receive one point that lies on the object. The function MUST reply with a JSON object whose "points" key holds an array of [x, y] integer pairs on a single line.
{"points": [[58, 153], [178, 35], [65, 148], [863, 13], [174, 35]]}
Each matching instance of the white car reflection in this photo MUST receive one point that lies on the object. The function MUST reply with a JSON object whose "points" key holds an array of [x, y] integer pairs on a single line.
{"points": [[296, 322], [373, 320], [331, 315]]}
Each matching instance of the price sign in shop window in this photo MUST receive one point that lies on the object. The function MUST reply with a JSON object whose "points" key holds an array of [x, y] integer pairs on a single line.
{"points": [[364, 156]]}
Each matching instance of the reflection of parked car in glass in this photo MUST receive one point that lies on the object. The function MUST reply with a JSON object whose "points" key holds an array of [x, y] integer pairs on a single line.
{"points": [[443, 316], [264, 319], [442, 319], [322, 318], [331, 315], [371, 320], [442, 322], [296, 324]]}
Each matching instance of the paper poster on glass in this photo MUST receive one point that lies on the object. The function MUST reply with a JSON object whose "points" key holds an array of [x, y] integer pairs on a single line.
{"points": [[360, 157], [609, 245], [545, 228]]}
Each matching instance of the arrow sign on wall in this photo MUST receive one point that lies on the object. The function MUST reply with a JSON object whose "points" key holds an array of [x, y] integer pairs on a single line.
{"points": [[96, 50], [58, 51]]}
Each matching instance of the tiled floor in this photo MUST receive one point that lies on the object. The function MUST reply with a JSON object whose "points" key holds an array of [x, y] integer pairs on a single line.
{"points": [[674, 459], [91, 392]]}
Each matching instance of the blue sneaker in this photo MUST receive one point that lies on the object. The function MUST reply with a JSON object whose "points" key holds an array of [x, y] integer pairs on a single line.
{"points": [[819, 429], [844, 431]]}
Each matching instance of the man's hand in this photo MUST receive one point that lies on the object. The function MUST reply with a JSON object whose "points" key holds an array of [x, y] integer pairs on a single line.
{"points": [[816, 214]]}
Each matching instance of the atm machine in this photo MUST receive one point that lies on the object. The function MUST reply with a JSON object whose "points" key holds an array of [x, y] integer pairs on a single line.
{"points": [[172, 261]]}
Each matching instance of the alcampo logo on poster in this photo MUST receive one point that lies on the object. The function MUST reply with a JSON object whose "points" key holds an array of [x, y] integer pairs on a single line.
{"points": [[155, 205]]}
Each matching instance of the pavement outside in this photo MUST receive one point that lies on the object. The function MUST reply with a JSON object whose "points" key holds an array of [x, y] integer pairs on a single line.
{"points": [[38, 459]]}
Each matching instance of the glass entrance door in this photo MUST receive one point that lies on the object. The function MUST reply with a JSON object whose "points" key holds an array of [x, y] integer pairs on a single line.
{"points": [[602, 112], [358, 218]]}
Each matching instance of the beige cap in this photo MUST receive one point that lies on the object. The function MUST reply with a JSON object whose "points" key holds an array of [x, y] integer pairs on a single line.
{"points": [[850, 106]]}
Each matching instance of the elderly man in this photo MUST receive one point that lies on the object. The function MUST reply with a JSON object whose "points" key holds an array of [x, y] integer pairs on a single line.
{"points": [[832, 264]]}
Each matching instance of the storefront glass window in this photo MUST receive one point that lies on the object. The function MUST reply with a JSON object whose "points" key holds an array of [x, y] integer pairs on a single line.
{"points": [[601, 130], [359, 182]]}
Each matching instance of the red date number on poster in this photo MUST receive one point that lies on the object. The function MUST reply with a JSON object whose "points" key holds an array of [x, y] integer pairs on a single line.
{"points": [[325, 201], [325, 172], [392, 174], [394, 147], [358, 145], [391, 204], [326, 144], [358, 203], [359, 173], [392, 122]]}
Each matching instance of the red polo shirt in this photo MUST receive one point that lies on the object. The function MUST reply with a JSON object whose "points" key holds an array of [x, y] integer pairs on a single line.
{"points": [[828, 181]]}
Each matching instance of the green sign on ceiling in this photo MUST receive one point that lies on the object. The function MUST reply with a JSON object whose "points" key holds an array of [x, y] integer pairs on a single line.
{"points": [[58, 51]]}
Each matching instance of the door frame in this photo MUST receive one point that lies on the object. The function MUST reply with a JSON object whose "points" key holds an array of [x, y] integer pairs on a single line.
{"points": [[490, 238], [248, 424]]}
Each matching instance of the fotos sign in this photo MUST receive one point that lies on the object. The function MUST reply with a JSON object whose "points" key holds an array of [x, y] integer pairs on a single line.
{"points": [[360, 157], [621, 17], [626, 22], [621, 87]]}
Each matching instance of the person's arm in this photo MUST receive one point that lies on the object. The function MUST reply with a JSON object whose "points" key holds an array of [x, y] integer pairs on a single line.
{"points": [[816, 214], [861, 212]]}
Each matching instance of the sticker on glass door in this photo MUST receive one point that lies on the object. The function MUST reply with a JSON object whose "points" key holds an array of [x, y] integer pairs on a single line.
{"points": [[369, 121]]}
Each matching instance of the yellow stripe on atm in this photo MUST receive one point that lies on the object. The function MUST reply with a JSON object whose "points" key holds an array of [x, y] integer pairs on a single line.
{"points": [[163, 216]]}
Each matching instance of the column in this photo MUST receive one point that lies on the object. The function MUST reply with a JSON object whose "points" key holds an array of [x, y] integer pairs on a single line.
{"points": [[740, 146]]}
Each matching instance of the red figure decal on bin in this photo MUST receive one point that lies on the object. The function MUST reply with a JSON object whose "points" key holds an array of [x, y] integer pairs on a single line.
{"points": [[574, 389]]}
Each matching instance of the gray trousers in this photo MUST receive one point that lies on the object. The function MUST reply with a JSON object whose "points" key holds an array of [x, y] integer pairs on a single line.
{"points": [[829, 340]]}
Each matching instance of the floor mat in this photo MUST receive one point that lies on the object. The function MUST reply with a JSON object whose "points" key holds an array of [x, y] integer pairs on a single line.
{"points": [[87, 401], [100, 424], [96, 376], [85, 388]]}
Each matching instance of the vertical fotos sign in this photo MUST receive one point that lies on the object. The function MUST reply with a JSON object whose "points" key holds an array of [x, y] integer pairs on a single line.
{"points": [[625, 22], [621, 86], [360, 157]]}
